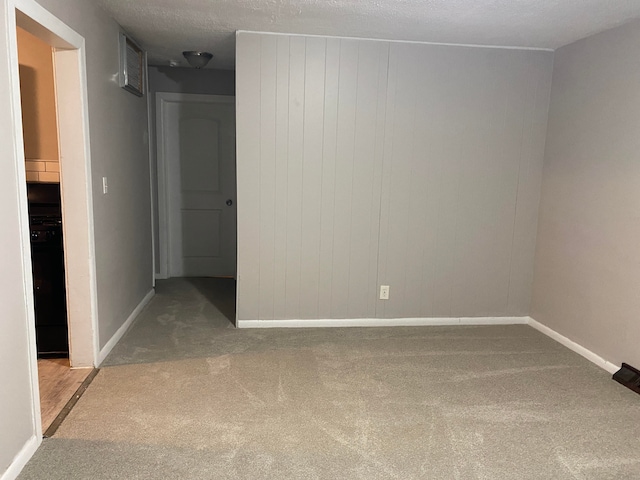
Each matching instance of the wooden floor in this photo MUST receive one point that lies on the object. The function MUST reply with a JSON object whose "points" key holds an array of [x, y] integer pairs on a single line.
{"points": [[58, 383]]}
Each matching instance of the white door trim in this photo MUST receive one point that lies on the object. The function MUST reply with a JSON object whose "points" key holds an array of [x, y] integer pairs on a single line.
{"points": [[152, 184], [71, 80], [162, 98]]}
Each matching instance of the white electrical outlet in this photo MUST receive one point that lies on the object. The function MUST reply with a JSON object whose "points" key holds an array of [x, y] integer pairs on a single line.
{"points": [[105, 185], [384, 292]]}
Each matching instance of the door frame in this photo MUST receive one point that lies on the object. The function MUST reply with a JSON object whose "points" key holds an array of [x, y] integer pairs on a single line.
{"points": [[162, 99], [75, 174]]}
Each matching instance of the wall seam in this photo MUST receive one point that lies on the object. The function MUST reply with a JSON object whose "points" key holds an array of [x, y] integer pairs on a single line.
{"points": [[324, 101]]}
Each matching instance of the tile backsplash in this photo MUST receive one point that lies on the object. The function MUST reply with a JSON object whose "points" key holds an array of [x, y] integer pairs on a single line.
{"points": [[43, 171]]}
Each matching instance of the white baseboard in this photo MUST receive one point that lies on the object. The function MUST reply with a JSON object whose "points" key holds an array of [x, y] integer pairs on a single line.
{"points": [[381, 322], [571, 345], [21, 459], [410, 322], [125, 326]]}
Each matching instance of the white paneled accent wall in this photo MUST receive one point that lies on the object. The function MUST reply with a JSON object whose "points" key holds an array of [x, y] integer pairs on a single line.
{"points": [[364, 163]]}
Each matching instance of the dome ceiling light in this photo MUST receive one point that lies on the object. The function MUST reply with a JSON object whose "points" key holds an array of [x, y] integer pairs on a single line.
{"points": [[197, 59]]}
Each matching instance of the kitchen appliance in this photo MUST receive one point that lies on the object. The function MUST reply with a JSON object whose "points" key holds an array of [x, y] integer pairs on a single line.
{"points": [[47, 258]]}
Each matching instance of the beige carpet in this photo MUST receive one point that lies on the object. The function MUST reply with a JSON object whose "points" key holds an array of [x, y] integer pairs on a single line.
{"points": [[187, 396]]}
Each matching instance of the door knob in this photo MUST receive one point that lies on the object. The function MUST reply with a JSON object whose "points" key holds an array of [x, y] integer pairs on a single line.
{"points": [[229, 202]]}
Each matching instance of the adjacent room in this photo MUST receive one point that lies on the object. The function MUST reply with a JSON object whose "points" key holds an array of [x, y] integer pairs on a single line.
{"points": [[320, 239]]}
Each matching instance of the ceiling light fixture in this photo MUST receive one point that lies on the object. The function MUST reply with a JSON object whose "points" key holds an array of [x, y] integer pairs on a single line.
{"points": [[197, 59]]}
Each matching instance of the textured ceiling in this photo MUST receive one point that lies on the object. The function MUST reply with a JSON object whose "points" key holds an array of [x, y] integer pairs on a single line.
{"points": [[167, 27]]}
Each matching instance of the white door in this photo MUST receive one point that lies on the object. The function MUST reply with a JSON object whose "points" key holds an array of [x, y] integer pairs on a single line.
{"points": [[197, 184]]}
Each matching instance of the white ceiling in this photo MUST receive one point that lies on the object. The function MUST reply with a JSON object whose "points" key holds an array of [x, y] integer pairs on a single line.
{"points": [[167, 27]]}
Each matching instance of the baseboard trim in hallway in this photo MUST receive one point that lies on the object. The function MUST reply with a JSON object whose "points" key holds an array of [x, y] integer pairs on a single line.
{"points": [[382, 322], [123, 329]]}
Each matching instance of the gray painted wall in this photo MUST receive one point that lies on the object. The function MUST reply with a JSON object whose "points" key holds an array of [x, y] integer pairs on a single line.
{"points": [[181, 80], [118, 128], [363, 163], [119, 151], [191, 80], [586, 270]]}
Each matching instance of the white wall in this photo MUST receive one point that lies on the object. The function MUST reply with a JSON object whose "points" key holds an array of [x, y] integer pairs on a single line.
{"points": [[118, 126], [587, 275], [363, 163]]}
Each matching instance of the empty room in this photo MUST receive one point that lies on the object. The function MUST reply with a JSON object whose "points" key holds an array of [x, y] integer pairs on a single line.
{"points": [[324, 240]]}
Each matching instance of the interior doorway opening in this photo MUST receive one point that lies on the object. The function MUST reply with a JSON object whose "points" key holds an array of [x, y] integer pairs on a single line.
{"points": [[42, 164], [196, 155], [69, 75]]}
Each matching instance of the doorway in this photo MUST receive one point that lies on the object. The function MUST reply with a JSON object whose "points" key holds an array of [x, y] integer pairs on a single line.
{"points": [[69, 72], [40, 131], [196, 185]]}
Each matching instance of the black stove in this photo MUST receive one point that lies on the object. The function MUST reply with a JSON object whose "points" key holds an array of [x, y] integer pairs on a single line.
{"points": [[45, 229], [47, 258]]}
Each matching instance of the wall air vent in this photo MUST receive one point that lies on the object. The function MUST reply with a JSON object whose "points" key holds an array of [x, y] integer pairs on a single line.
{"points": [[132, 66], [629, 377]]}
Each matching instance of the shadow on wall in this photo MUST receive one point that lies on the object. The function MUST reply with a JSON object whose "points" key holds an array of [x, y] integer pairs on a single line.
{"points": [[191, 80], [221, 292]]}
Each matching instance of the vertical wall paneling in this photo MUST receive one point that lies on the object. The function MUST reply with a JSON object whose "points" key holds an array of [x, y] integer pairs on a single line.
{"points": [[377, 188], [267, 176], [385, 182], [402, 125], [446, 85], [414, 166], [327, 193], [297, 53], [487, 183], [248, 171], [420, 186], [345, 144], [364, 218], [460, 134], [312, 175], [281, 176], [516, 136]]}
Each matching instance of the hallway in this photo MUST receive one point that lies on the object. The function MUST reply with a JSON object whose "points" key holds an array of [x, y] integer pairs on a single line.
{"points": [[186, 395], [187, 318]]}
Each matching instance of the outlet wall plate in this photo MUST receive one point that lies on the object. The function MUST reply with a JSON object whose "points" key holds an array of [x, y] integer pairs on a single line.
{"points": [[384, 292]]}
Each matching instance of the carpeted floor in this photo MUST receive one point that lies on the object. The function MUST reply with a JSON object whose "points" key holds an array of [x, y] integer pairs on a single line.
{"points": [[185, 395]]}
